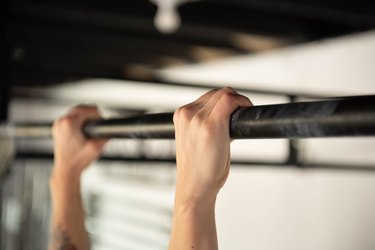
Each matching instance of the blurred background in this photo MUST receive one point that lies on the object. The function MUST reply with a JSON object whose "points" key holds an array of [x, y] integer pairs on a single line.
{"points": [[135, 57]]}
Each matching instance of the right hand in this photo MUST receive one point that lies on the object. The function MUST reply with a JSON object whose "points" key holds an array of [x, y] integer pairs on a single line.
{"points": [[203, 144]]}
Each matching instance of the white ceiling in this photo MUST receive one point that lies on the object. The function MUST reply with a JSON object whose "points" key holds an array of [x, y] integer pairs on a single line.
{"points": [[333, 67]]}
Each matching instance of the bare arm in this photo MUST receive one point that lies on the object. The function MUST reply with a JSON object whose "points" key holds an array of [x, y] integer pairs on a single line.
{"points": [[73, 153], [203, 161]]}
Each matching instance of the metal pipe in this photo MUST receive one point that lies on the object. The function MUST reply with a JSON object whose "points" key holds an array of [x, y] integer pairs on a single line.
{"points": [[351, 116]]}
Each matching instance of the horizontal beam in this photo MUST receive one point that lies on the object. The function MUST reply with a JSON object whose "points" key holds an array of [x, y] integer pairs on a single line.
{"points": [[26, 155], [351, 116]]}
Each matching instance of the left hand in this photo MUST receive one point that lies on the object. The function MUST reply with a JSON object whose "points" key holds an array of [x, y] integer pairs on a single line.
{"points": [[72, 150]]}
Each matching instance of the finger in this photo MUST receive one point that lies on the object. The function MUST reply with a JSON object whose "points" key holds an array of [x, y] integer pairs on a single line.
{"points": [[85, 110], [84, 113], [214, 98], [66, 121], [188, 111], [204, 98], [78, 108], [227, 104], [73, 121], [201, 100]]}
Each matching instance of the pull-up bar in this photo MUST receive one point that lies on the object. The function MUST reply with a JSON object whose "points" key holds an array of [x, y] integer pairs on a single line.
{"points": [[350, 116]]}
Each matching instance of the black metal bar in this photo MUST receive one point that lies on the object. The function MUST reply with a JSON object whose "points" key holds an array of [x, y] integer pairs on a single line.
{"points": [[144, 127], [346, 117], [353, 116]]}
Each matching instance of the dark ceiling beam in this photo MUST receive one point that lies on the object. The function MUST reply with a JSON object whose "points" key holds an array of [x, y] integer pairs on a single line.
{"points": [[202, 23], [85, 19], [351, 13], [111, 58], [280, 17], [94, 44], [77, 38]]}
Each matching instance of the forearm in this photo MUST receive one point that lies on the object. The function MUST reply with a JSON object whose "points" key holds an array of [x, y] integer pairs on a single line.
{"points": [[67, 229], [73, 153], [203, 163], [194, 225]]}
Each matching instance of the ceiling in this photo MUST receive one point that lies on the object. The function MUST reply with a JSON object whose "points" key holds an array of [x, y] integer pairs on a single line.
{"points": [[51, 42]]}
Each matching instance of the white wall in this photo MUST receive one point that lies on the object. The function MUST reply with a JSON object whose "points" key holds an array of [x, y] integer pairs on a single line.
{"points": [[285, 209]]}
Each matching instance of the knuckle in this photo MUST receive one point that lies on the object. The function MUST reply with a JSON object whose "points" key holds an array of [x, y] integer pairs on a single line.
{"points": [[185, 113], [228, 90], [64, 122], [86, 106], [55, 126], [59, 125], [227, 98], [198, 119], [74, 109], [207, 125], [176, 115], [85, 110]]}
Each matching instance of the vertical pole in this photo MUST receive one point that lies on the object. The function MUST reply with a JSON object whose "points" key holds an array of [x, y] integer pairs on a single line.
{"points": [[293, 145], [4, 86], [4, 62]]}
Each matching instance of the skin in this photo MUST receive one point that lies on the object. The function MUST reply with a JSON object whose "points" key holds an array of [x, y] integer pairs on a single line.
{"points": [[203, 163], [73, 154]]}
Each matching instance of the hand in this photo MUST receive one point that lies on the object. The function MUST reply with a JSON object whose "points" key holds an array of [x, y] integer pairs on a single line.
{"points": [[73, 152], [203, 144]]}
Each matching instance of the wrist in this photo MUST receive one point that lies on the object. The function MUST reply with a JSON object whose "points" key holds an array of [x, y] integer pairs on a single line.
{"points": [[64, 183], [65, 172], [192, 202], [65, 197], [195, 193]]}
